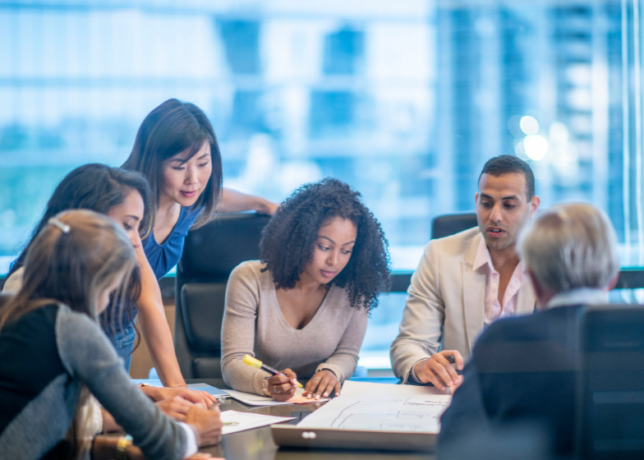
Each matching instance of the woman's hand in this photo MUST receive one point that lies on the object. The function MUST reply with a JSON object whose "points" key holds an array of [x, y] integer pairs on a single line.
{"points": [[322, 384], [206, 424], [176, 407], [157, 394], [282, 387]]}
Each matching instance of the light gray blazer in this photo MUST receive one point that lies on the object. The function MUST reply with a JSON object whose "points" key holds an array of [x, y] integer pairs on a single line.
{"points": [[445, 306]]}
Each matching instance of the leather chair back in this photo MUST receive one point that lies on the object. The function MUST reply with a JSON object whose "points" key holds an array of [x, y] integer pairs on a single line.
{"points": [[610, 409], [450, 224], [209, 255]]}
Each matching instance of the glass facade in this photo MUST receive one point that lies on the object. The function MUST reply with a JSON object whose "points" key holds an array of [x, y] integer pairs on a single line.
{"points": [[403, 100]]}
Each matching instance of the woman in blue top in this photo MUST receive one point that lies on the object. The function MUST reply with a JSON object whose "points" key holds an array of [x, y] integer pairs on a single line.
{"points": [[176, 151]]}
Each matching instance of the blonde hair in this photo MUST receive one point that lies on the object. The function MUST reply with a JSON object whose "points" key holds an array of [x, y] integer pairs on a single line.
{"points": [[570, 246], [72, 261]]}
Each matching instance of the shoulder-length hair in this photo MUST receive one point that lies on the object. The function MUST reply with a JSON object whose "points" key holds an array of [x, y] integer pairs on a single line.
{"points": [[171, 128], [73, 259], [288, 241], [96, 187]]}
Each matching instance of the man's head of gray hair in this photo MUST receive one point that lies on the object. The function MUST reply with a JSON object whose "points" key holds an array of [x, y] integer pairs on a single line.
{"points": [[570, 246]]}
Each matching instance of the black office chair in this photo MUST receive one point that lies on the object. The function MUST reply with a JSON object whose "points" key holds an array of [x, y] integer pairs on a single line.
{"points": [[610, 403], [450, 224], [209, 255]]}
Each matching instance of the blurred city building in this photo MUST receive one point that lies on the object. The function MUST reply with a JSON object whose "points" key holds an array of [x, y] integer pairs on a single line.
{"points": [[403, 100]]}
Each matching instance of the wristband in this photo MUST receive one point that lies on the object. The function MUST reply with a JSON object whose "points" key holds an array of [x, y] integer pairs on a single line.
{"points": [[121, 447]]}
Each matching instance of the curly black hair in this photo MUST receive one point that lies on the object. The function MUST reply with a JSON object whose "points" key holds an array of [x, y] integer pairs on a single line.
{"points": [[288, 241]]}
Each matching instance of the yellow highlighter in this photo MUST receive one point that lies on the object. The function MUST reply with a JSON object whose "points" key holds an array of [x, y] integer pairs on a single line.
{"points": [[252, 362]]}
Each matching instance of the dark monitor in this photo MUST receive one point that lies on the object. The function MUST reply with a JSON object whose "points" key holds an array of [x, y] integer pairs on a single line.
{"points": [[611, 383]]}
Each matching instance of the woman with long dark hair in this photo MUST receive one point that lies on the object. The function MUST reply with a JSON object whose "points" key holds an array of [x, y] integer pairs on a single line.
{"points": [[177, 152]]}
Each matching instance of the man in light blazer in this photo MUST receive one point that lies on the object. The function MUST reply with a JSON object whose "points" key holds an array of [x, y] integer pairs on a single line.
{"points": [[466, 281], [523, 371]]}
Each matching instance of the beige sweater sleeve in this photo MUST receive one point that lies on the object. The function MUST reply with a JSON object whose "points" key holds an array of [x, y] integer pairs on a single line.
{"points": [[238, 331]]}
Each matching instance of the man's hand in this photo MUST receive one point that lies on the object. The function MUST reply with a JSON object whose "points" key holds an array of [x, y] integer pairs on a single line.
{"points": [[282, 387], [439, 370], [322, 384], [206, 424], [157, 394]]}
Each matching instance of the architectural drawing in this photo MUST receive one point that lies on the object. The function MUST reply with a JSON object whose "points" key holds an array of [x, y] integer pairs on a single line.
{"points": [[385, 412]]}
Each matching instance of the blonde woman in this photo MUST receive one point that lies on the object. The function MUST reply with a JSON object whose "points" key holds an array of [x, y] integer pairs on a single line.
{"points": [[52, 349]]}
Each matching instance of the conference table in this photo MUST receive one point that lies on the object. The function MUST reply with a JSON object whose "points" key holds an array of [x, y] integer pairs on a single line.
{"points": [[258, 444]]}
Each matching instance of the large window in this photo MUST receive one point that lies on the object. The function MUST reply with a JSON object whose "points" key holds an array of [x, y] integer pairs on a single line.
{"points": [[403, 100]]}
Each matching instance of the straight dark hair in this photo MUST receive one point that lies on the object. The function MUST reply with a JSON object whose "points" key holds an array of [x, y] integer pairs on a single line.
{"points": [[508, 164], [96, 187], [172, 128]]}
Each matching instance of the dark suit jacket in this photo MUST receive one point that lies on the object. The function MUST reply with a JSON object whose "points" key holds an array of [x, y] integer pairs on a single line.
{"points": [[522, 371]]}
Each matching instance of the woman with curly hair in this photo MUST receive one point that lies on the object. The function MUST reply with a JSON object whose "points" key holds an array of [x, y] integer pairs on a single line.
{"points": [[304, 306]]}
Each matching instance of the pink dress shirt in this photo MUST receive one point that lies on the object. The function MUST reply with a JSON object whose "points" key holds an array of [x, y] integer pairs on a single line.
{"points": [[493, 309]]}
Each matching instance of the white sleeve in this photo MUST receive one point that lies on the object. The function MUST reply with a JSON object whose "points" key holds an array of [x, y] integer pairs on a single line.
{"points": [[191, 444]]}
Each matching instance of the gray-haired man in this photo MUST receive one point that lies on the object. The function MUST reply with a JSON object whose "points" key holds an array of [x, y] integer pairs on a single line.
{"points": [[522, 369]]}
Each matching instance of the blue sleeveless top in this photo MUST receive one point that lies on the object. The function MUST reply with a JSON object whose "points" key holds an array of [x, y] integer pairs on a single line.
{"points": [[162, 258]]}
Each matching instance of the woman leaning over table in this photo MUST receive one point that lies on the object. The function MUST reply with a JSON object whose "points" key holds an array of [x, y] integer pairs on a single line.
{"points": [[176, 150], [304, 307]]}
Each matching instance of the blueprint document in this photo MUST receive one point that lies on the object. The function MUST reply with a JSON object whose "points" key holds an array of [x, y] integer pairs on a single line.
{"points": [[378, 407]]}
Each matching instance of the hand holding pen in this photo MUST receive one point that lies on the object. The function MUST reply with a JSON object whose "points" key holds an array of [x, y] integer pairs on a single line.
{"points": [[282, 385]]}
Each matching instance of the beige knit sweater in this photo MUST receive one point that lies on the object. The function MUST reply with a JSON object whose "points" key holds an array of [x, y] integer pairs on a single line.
{"points": [[254, 324]]}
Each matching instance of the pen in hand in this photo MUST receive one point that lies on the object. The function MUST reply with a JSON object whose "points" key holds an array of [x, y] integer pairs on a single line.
{"points": [[252, 362], [452, 360]]}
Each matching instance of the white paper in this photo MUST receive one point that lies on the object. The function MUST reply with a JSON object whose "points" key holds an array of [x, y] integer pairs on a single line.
{"points": [[257, 400], [350, 388], [380, 407], [241, 421]]}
